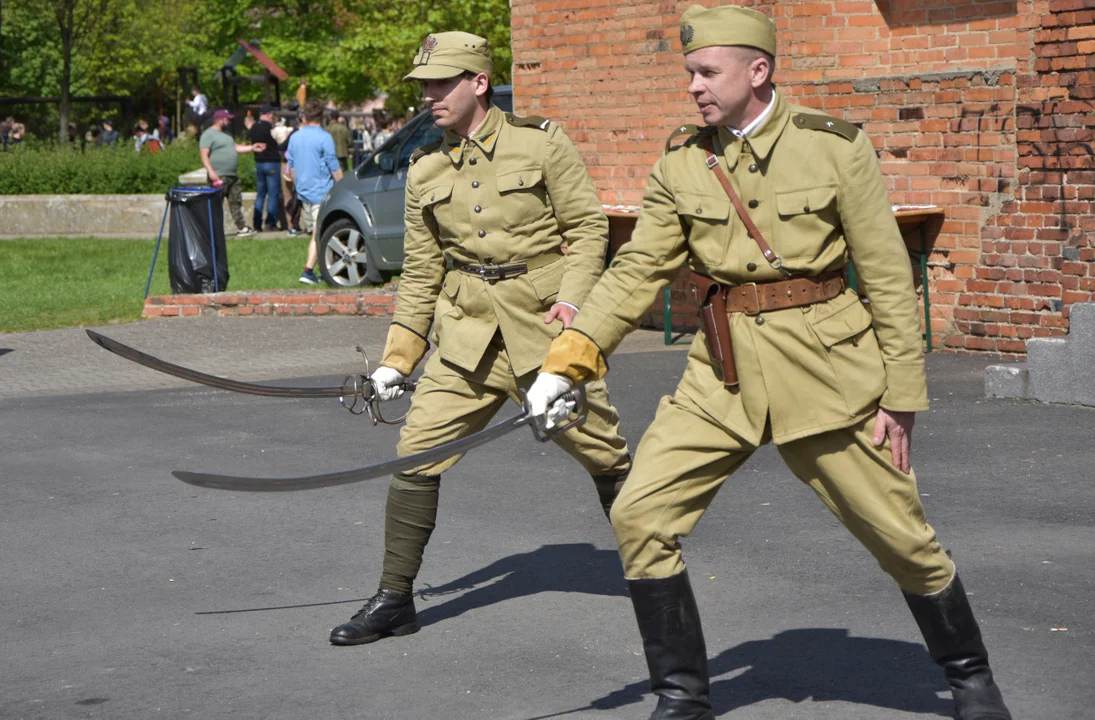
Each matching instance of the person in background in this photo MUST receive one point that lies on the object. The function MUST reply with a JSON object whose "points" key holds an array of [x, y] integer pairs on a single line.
{"points": [[289, 207], [267, 168], [341, 135], [219, 156], [140, 135], [199, 105], [314, 168], [110, 135], [302, 93]]}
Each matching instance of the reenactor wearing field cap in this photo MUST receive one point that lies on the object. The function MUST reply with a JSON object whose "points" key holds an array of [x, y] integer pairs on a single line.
{"points": [[767, 204], [497, 196]]}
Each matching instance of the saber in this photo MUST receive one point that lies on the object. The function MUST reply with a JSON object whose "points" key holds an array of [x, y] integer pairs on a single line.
{"points": [[441, 452], [354, 389]]}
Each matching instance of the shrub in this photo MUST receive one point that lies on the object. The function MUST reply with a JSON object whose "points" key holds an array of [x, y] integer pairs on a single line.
{"points": [[116, 170]]}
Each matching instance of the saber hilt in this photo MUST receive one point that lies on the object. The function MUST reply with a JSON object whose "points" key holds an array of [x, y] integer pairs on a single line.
{"points": [[359, 395], [538, 423]]}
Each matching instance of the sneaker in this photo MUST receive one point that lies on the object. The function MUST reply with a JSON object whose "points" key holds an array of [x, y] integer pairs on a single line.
{"points": [[309, 278], [294, 231], [245, 232]]}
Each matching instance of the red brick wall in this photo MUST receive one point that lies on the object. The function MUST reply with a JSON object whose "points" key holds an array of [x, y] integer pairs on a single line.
{"points": [[984, 108]]}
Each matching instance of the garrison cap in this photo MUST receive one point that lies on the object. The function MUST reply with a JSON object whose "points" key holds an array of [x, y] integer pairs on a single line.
{"points": [[447, 54], [728, 25]]}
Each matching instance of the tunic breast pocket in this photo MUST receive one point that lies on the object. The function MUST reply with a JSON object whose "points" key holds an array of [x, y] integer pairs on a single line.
{"points": [[706, 222], [437, 203], [808, 218], [524, 196]]}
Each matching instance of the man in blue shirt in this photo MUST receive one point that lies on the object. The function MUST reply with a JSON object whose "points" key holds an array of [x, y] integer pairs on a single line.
{"points": [[314, 168]]}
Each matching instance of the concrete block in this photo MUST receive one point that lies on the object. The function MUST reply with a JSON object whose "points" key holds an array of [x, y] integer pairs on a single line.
{"points": [[1008, 381], [1081, 323], [30, 216]]}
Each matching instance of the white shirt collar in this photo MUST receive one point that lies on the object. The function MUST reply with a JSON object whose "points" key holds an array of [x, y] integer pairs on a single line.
{"points": [[748, 130]]}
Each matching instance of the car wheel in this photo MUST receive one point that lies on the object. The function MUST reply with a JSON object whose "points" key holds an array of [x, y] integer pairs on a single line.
{"points": [[344, 257]]}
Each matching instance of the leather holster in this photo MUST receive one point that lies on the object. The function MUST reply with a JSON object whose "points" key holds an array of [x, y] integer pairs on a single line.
{"points": [[716, 324]]}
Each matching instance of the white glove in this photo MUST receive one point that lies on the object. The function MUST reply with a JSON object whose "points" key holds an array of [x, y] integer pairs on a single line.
{"points": [[388, 382], [543, 399]]}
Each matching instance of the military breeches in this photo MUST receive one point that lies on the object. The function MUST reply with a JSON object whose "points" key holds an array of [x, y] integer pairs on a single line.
{"points": [[450, 403], [685, 457]]}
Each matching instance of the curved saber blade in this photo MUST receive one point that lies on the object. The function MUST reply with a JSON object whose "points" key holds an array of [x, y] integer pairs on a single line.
{"points": [[211, 380], [443, 451]]}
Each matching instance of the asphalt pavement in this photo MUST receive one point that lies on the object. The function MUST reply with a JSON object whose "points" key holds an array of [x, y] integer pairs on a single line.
{"points": [[127, 594]]}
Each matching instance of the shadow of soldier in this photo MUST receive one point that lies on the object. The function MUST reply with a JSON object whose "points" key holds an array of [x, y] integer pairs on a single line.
{"points": [[570, 568], [818, 664]]}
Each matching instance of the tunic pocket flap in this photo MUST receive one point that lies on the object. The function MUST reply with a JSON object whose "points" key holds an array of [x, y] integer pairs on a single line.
{"points": [[797, 202], [436, 194], [702, 206], [451, 284], [843, 324], [519, 179]]}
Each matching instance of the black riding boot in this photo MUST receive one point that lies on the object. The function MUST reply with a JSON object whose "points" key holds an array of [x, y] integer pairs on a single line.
{"points": [[669, 622], [954, 643], [384, 614]]}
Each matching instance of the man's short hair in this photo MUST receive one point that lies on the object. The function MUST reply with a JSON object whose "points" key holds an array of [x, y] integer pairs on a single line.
{"points": [[490, 88], [313, 110]]}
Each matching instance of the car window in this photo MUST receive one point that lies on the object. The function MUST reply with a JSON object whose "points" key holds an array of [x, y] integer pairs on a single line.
{"points": [[426, 132]]}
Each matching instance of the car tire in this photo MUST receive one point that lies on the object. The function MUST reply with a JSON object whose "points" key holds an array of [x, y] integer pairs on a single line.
{"points": [[345, 259]]}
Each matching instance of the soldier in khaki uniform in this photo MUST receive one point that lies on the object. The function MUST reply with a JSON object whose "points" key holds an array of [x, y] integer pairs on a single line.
{"points": [[833, 384], [497, 197]]}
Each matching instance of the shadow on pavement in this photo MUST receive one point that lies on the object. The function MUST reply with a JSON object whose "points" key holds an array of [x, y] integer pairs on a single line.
{"points": [[5, 351], [574, 568], [819, 664]]}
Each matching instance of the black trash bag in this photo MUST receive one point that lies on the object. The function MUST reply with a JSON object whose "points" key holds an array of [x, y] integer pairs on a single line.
{"points": [[190, 243]]}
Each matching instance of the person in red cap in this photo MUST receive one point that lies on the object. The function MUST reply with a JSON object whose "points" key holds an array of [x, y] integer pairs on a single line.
{"points": [[219, 156]]}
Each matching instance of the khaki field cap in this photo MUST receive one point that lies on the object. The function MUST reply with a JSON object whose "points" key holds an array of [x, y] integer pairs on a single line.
{"points": [[447, 54], [728, 25]]}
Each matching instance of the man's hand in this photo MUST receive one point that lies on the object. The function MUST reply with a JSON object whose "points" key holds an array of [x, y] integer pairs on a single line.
{"points": [[258, 147], [561, 311], [543, 399], [898, 427], [214, 178], [388, 382]]}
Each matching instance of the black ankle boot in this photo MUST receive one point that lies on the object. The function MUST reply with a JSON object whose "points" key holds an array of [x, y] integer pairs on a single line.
{"points": [[954, 643], [669, 622], [386, 613]]}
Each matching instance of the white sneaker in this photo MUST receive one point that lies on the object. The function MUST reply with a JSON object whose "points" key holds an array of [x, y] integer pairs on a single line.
{"points": [[245, 232]]}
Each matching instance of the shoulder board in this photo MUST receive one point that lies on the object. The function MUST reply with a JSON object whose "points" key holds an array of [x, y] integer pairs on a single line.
{"points": [[689, 130], [426, 150], [810, 121], [531, 121]]}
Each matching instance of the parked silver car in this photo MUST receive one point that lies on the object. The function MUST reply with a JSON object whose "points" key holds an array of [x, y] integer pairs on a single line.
{"points": [[361, 219]]}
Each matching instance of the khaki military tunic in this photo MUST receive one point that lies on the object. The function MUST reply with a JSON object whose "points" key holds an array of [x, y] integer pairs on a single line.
{"points": [[513, 192], [811, 378]]}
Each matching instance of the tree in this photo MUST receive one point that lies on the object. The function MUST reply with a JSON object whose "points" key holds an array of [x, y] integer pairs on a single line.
{"points": [[79, 23]]}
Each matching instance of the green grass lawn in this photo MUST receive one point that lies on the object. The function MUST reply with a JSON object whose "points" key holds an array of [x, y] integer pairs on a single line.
{"points": [[73, 282]]}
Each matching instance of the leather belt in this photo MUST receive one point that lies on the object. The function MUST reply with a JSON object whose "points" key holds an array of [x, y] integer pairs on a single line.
{"points": [[755, 298], [493, 272]]}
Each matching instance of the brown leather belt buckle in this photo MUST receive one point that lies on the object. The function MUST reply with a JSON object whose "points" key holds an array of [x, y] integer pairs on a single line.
{"points": [[744, 299]]}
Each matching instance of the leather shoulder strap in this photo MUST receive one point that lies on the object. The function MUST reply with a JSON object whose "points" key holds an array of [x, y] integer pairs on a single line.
{"points": [[754, 232]]}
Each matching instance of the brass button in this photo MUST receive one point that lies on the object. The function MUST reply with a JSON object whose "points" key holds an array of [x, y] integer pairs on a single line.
{"points": [[699, 211], [760, 320], [478, 208], [751, 267], [754, 202], [753, 167], [806, 208], [472, 161], [520, 181], [482, 233], [475, 183]]}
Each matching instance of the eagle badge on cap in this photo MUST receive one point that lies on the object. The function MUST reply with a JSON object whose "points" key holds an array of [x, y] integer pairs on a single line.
{"points": [[687, 32], [429, 43]]}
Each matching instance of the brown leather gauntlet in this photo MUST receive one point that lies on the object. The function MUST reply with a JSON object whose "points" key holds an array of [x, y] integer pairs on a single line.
{"points": [[716, 324]]}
